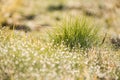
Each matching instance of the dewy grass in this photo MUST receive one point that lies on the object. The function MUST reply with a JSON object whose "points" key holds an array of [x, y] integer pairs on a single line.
{"points": [[75, 32], [25, 56]]}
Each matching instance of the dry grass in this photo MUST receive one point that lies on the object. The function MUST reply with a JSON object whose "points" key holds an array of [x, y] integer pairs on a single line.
{"points": [[25, 56], [8, 9], [31, 56]]}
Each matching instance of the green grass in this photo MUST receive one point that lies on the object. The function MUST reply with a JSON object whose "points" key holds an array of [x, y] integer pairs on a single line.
{"points": [[75, 32]]}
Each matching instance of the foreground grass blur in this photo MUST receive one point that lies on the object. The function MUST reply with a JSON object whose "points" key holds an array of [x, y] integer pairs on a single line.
{"points": [[24, 56]]}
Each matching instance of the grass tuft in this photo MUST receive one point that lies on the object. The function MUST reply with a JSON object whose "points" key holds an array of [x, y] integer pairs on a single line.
{"points": [[75, 32]]}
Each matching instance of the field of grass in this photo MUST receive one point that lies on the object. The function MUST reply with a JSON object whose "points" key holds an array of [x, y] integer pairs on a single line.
{"points": [[60, 40]]}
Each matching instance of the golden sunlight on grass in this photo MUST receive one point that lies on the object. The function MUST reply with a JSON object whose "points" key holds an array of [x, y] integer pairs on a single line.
{"points": [[59, 39]]}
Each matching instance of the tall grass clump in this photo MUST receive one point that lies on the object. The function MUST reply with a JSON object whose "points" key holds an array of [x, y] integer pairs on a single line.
{"points": [[75, 32]]}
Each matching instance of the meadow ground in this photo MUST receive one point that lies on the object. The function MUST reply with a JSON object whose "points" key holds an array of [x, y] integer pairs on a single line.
{"points": [[60, 40]]}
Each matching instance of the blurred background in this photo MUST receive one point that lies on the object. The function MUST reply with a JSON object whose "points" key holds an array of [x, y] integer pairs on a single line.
{"points": [[37, 15]]}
